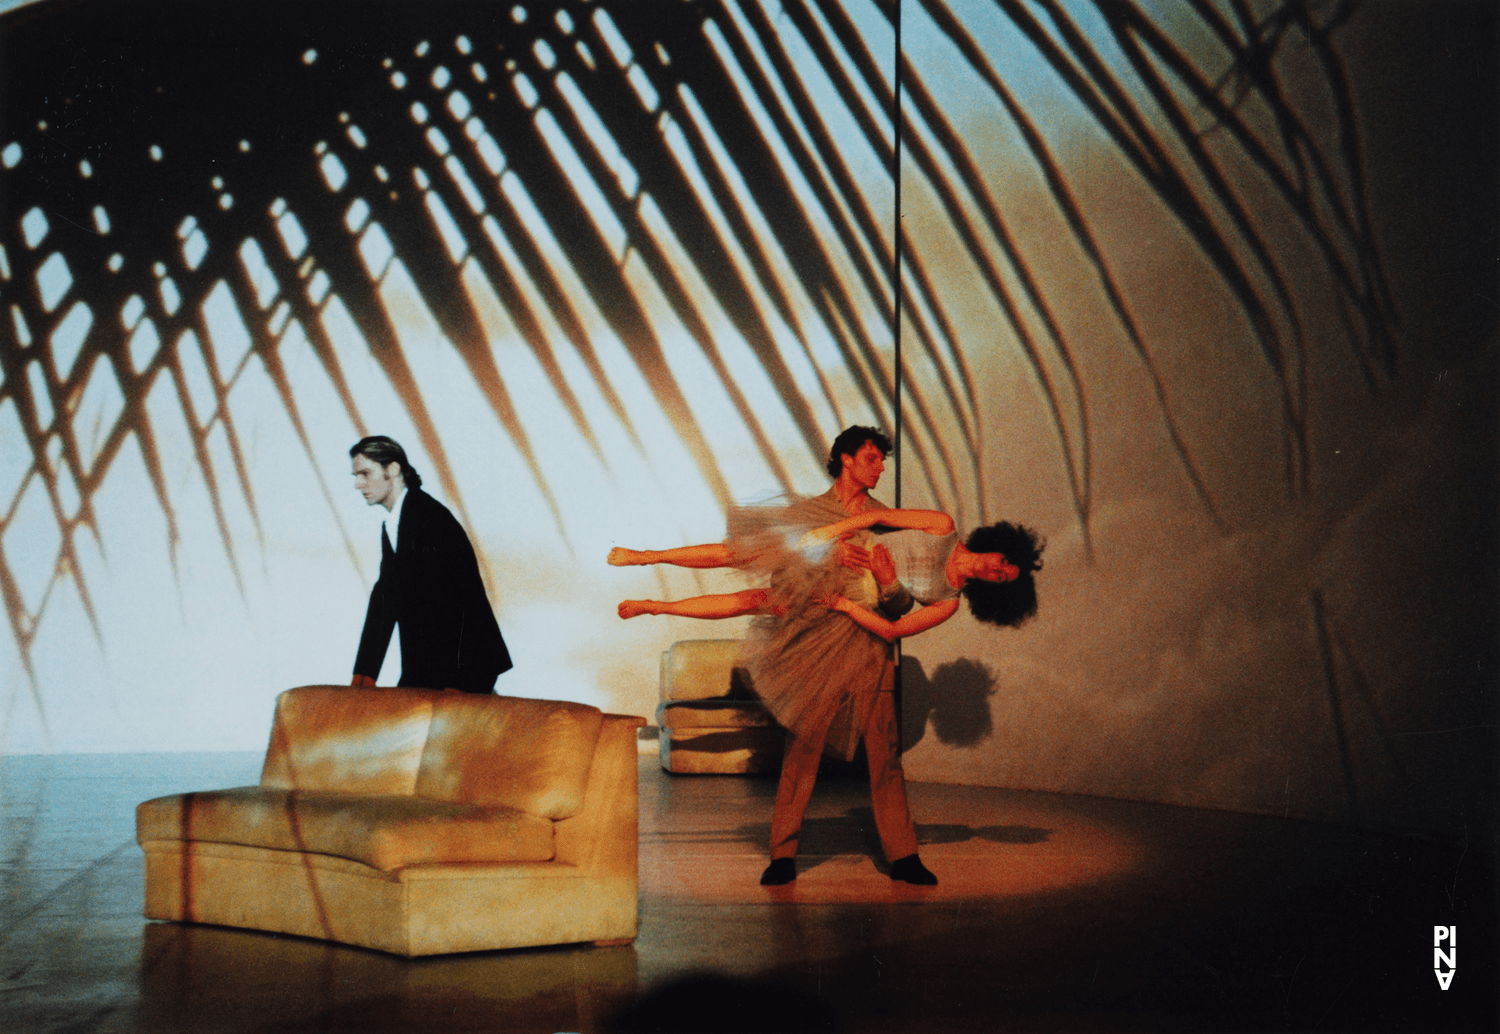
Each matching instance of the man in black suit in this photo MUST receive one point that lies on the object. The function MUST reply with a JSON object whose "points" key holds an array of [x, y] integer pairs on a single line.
{"points": [[429, 584]]}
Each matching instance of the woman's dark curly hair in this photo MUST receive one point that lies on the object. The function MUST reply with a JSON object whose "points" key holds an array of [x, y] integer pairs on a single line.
{"points": [[1007, 604]]}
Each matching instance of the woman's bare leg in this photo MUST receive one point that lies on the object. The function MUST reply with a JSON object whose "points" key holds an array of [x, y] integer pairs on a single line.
{"points": [[710, 554], [721, 605]]}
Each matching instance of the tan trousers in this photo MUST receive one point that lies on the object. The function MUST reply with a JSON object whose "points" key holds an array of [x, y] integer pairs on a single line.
{"points": [[799, 771]]}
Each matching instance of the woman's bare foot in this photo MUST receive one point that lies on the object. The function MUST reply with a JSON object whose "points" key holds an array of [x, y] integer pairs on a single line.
{"points": [[632, 608], [621, 557]]}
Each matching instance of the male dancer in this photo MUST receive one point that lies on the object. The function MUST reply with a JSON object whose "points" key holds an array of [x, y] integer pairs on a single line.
{"points": [[856, 461], [819, 673]]}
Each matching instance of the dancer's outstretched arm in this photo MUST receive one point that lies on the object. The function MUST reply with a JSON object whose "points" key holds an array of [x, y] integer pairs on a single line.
{"points": [[710, 554], [917, 621], [934, 522], [721, 605]]}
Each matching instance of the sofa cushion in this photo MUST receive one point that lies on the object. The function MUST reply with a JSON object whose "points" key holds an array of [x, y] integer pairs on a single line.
{"points": [[384, 831], [348, 740], [528, 754], [696, 669], [720, 713]]}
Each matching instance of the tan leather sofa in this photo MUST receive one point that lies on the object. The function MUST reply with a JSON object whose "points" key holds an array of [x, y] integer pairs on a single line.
{"points": [[413, 822], [708, 719]]}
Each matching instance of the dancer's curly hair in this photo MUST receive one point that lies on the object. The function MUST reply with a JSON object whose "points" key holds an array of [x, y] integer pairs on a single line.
{"points": [[850, 441], [1013, 603]]}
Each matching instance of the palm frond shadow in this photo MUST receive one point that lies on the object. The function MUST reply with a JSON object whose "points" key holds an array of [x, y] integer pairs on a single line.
{"points": [[714, 175]]}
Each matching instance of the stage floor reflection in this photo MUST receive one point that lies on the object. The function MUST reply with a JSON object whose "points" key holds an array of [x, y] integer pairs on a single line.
{"points": [[1052, 912]]}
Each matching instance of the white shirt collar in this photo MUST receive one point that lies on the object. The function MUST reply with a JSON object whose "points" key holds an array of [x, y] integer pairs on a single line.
{"points": [[393, 520]]}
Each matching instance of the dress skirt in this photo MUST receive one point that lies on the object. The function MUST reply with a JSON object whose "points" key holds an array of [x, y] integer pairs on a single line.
{"points": [[806, 663]]}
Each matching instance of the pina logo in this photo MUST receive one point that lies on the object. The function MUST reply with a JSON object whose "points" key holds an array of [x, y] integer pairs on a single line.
{"points": [[1442, 935]]}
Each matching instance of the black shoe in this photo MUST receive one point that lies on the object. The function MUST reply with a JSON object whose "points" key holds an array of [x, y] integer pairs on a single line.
{"points": [[909, 870], [782, 871]]}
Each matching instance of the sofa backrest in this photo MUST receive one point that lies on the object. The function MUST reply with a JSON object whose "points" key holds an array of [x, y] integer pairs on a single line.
{"points": [[697, 669], [528, 754], [466, 748], [354, 740]]}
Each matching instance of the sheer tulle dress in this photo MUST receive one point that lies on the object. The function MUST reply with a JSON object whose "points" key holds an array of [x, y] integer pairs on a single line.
{"points": [[807, 663]]}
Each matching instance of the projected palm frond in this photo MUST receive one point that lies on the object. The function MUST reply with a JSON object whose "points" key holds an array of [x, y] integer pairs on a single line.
{"points": [[620, 187]]}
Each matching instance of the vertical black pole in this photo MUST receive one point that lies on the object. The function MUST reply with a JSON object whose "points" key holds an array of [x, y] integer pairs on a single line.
{"points": [[896, 251], [896, 344]]}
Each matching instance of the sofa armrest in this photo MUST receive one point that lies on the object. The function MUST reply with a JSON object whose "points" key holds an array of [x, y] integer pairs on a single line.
{"points": [[601, 838], [699, 669]]}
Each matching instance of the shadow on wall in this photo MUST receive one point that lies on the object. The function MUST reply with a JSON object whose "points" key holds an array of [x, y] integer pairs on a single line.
{"points": [[955, 701]]}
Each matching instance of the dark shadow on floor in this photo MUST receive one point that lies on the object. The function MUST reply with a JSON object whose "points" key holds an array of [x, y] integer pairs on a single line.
{"points": [[1299, 928], [854, 833]]}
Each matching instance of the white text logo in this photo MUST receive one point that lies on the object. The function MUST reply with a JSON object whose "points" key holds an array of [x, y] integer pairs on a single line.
{"points": [[1444, 935]]}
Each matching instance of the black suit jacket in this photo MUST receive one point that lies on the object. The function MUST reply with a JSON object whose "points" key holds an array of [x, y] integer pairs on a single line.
{"points": [[430, 587]]}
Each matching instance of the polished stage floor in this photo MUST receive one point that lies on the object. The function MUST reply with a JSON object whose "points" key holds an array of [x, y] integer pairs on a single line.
{"points": [[1053, 913]]}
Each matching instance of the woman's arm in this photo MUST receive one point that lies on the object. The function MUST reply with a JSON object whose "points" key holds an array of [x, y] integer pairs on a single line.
{"points": [[934, 522], [917, 621]]}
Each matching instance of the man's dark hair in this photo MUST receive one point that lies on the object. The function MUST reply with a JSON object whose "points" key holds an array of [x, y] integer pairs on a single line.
{"points": [[1013, 603], [377, 448], [850, 441]]}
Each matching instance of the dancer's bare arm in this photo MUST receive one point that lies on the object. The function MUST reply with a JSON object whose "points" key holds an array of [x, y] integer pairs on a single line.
{"points": [[911, 624], [895, 600], [709, 554], [934, 522]]}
